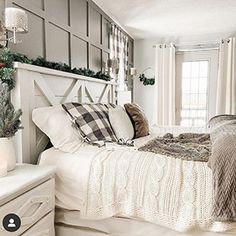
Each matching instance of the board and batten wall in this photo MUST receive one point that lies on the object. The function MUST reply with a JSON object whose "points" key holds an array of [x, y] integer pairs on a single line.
{"points": [[75, 32]]}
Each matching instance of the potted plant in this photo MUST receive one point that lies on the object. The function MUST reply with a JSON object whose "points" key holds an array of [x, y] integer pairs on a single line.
{"points": [[9, 124]]}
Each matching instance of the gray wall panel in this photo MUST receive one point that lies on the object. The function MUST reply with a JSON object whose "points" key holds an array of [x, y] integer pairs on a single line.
{"points": [[58, 9], [36, 3], [105, 35], [78, 52], [58, 44], [79, 16], [95, 58], [70, 31], [94, 25]]}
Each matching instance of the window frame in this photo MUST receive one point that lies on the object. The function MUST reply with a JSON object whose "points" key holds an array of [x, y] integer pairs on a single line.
{"points": [[193, 56]]}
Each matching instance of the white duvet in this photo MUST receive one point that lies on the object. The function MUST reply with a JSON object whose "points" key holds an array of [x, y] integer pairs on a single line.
{"points": [[155, 188]]}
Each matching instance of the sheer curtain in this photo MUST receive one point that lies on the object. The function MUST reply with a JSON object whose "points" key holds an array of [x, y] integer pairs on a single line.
{"points": [[119, 53], [164, 101], [226, 82]]}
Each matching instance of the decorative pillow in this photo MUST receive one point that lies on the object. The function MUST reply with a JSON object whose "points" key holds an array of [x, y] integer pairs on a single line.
{"points": [[121, 123], [92, 121], [54, 122], [138, 119]]}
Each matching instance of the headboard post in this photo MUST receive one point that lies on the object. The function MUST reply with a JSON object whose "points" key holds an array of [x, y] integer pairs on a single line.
{"points": [[23, 98], [38, 87]]}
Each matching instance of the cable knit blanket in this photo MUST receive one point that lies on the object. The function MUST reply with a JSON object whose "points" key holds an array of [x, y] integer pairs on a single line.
{"points": [[223, 165], [186, 146], [170, 192]]}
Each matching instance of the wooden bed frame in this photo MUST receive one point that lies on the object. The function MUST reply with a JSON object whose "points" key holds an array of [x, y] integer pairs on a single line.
{"points": [[38, 87]]}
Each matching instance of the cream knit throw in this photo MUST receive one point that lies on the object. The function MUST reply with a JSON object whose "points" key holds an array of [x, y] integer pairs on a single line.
{"points": [[163, 190]]}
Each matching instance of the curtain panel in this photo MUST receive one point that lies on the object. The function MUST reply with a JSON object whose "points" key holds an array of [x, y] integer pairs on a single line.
{"points": [[164, 101], [119, 44], [226, 81]]}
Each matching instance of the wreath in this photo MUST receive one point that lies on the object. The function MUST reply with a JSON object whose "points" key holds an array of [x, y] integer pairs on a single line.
{"points": [[146, 81]]}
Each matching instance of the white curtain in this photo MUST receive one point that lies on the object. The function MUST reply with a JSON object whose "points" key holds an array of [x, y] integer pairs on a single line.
{"points": [[164, 100], [226, 83]]}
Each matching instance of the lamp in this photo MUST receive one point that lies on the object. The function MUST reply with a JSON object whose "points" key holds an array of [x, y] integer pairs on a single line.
{"points": [[16, 21]]}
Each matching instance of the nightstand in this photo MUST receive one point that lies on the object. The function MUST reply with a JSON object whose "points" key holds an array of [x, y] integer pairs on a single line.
{"points": [[27, 194]]}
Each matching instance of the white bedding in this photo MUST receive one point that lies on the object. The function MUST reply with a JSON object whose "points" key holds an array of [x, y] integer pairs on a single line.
{"points": [[72, 188], [72, 172]]}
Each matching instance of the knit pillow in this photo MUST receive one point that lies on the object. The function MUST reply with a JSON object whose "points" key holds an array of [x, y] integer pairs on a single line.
{"points": [[138, 119], [92, 121]]}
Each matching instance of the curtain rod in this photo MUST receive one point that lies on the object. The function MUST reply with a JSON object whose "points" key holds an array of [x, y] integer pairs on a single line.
{"points": [[195, 49], [199, 46]]}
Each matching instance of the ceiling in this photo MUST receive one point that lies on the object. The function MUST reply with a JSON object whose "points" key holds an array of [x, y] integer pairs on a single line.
{"points": [[172, 18]]}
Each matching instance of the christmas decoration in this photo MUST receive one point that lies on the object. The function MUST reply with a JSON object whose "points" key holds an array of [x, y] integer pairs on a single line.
{"points": [[7, 58], [146, 81]]}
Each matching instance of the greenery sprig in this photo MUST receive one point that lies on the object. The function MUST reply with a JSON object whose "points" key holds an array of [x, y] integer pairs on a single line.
{"points": [[146, 81], [9, 118]]}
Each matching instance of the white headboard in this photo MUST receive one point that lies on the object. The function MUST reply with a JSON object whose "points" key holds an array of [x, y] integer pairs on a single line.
{"points": [[38, 87]]}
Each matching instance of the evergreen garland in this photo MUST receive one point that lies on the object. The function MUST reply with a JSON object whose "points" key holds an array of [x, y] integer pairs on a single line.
{"points": [[9, 118], [7, 58], [146, 81]]}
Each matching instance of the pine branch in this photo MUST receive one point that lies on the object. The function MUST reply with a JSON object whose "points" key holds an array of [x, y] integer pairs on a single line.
{"points": [[9, 118]]}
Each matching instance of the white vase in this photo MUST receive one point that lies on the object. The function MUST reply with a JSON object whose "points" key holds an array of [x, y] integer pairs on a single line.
{"points": [[7, 155]]}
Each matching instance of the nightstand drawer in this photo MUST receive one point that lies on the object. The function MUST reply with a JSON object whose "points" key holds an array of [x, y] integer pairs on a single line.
{"points": [[30, 207], [45, 227]]}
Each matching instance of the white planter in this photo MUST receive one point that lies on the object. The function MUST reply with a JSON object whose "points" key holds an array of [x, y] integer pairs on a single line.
{"points": [[7, 156]]}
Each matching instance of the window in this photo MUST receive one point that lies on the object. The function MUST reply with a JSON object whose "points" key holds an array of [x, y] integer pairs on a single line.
{"points": [[194, 93], [196, 74]]}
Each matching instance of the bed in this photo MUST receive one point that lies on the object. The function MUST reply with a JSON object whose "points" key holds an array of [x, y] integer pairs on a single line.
{"points": [[190, 183]]}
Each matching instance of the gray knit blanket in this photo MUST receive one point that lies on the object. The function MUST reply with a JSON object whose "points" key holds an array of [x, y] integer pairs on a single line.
{"points": [[187, 146], [223, 165]]}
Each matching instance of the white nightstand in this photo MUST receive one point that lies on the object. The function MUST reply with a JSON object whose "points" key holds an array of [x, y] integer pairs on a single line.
{"points": [[28, 192]]}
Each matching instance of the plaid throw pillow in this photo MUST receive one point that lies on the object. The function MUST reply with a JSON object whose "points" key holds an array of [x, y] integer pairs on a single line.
{"points": [[92, 121]]}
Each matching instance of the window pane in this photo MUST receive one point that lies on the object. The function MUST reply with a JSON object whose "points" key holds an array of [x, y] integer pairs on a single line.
{"points": [[203, 69], [186, 85], [203, 85], [186, 70], [195, 69], [194, 93]]}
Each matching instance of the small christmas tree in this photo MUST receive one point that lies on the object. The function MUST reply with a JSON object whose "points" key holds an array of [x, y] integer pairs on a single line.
{"points": [[9, 118]]}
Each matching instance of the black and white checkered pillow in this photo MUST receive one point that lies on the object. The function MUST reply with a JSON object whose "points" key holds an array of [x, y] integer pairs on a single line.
{"points": [[92, 121]]}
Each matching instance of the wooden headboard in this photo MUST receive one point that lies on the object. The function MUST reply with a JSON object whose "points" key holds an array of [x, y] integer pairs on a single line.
{"points": [[39, 87]]}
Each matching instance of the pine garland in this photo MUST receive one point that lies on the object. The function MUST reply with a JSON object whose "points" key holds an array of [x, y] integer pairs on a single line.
{"points": [[7, 76], [7, 58], [9, 118]]}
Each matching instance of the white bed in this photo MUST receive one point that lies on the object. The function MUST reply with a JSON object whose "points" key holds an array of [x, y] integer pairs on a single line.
{"points": [[35, 88], [72, 173]]}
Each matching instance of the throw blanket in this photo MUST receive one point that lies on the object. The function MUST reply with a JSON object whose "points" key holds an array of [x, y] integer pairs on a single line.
{"points": [[188, 146], [223, 165], [163, 190]]}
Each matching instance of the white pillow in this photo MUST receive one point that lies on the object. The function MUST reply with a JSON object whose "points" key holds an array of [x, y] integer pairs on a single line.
{"points": [[121, 123], [55, 123]]}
